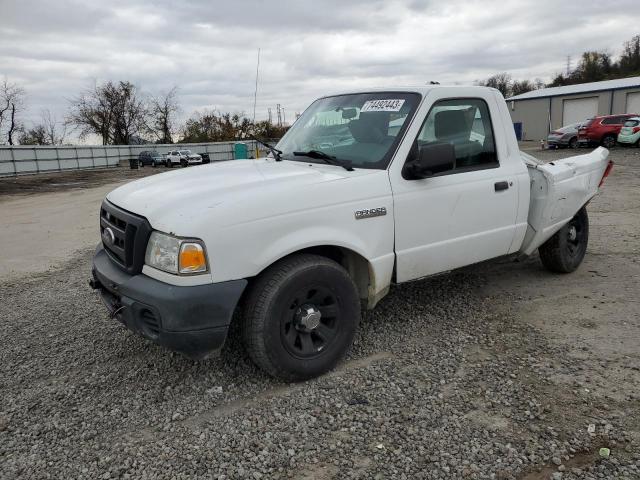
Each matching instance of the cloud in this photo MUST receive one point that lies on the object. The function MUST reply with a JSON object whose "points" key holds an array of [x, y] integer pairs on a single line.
{"points": [[308, 48]]}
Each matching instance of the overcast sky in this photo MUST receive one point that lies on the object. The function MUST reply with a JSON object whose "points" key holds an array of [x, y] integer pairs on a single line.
{"points": [[208, 49]]}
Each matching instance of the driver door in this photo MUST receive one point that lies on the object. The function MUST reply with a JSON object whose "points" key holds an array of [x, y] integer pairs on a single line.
{"points": [[463, 215]]}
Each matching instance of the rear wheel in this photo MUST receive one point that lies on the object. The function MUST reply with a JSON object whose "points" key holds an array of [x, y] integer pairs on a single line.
{"points": [[573, 143], [300, 317], [609, 141], [183, 163], [169, 164], [564, 252]]}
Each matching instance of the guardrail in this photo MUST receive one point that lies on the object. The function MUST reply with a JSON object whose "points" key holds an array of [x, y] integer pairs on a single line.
{"points": [[19, 160]]}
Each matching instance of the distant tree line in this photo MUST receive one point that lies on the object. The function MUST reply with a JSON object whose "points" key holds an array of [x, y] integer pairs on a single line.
{"points": [[119, 113], [594, 66]]}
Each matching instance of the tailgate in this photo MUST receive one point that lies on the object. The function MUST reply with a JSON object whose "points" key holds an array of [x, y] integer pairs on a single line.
{"points": [[558, 190]]}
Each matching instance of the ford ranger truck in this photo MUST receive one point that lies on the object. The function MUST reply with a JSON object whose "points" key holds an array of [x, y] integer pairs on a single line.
{"points": [[366, 189]]}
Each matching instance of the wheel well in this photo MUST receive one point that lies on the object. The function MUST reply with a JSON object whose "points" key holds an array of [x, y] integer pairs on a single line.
{"points": [[354, 263]]}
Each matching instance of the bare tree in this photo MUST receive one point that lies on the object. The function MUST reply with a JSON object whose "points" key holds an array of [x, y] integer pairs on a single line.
{"points": [[162, 112], [114, 111], [36, 135], [499, 81], [11, 103], [55, 131]]}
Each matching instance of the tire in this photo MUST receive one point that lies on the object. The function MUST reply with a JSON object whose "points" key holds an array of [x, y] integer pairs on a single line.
{"points": [[183, 163], [609, 141], [276, 334], [169, 164], [564, 252], [573, 143]]}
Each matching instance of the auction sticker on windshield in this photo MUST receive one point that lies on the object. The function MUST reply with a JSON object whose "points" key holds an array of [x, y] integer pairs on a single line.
{"points": [[388, 105]]}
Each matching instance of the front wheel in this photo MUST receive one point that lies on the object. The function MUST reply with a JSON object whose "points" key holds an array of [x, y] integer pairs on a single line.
{"points": [[300, 317], [573, 143], [183, 163], [564, 252]]}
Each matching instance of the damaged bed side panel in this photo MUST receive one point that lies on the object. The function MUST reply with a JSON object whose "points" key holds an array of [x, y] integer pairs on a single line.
{"points": [[558, 190]]}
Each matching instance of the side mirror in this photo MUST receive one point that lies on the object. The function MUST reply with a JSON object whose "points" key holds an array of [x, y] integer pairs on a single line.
{"points": [[430, 160]]}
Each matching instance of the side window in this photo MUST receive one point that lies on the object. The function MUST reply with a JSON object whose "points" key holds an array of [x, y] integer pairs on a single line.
{"points": [[466, 124], [611, 121]]}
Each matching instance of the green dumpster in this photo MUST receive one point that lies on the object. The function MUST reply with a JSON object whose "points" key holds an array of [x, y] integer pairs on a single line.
{"points": [[240, 151]]}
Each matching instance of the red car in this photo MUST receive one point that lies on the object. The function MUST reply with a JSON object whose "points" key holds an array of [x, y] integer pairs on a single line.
{"points": [[602, 130]]}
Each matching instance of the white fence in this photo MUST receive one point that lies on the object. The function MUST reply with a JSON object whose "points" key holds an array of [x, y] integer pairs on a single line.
{"points": [[38, 159]]}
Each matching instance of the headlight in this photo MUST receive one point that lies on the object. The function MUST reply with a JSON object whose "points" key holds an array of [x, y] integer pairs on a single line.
{"points": [[175, 255]]}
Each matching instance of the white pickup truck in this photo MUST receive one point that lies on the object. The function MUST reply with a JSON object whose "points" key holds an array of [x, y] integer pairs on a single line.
{"points": [[366, 189]]}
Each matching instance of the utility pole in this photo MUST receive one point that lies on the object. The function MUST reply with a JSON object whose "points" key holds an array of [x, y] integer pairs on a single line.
{"points": [[284, 118], [255, 93], [270, 117], [279, 115]]}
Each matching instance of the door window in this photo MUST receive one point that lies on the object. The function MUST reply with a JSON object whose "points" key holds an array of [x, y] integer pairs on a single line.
{"points": [[464, 123]]}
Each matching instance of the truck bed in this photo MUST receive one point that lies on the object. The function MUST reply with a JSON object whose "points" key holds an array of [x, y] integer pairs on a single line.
{"points": [[558, 190]]}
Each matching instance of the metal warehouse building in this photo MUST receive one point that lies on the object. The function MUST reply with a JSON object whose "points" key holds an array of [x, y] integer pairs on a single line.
{"points": [[538, 112]]}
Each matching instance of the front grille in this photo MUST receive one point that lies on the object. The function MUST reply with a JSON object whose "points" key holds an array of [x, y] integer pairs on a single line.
{"points": [[124, 237]]}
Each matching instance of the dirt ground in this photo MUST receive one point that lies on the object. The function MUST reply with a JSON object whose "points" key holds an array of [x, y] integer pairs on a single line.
{"points": [[497, 371], [60, 208]]}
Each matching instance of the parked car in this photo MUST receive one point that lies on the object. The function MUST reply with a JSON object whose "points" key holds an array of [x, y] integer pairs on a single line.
{"points": [[317, 229], [205, 157], [183, 158], [630, 132], [564, 137], [602, 130], [150, 158]]}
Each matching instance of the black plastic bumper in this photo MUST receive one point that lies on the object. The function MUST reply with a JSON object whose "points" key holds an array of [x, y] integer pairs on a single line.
{"points": [[191, 320]]}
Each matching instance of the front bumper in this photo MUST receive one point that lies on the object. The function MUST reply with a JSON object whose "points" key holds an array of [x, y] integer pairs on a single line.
{"points": [[191, 320]]}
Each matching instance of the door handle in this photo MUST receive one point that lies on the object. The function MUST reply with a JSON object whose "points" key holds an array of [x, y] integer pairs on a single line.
{"points": [[501, 186]]}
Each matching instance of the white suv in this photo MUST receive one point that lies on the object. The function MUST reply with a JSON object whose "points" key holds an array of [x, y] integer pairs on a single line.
{"points": [[183, 157]]}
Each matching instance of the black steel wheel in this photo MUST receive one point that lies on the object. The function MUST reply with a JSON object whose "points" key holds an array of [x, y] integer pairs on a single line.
{"points": [[310, 323], [300, 317], [565, 250]]}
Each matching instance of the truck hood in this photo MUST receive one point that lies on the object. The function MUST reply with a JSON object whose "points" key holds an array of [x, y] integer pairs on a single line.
{"points": [[233, 192]]}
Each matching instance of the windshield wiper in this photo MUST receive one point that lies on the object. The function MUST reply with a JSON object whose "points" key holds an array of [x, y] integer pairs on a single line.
{"points": [[330, 159], [277, 154]]}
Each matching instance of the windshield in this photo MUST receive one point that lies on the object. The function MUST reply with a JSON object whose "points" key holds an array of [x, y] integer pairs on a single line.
{"points": [[185, 152], [632, 123], [361, 129]]}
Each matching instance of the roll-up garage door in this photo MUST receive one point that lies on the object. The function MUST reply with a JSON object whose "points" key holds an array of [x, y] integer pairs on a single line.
{"points": [[578, 110], [633, 103]]}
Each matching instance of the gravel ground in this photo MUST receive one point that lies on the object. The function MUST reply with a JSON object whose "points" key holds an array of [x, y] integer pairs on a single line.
{"points": [[470, 375]]}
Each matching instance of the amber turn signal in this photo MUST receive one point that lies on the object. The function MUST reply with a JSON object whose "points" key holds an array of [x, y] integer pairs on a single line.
{"points": [[192, 258]]}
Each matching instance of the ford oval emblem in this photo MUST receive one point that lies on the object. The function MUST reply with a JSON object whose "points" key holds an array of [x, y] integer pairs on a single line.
{"points": [[108, 238]]}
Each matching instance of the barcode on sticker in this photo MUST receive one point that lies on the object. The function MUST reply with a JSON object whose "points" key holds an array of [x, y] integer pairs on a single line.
{"points": [[389, 105]]}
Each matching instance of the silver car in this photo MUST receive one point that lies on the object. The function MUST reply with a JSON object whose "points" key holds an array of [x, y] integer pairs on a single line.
{"points": [[564, 137]]}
